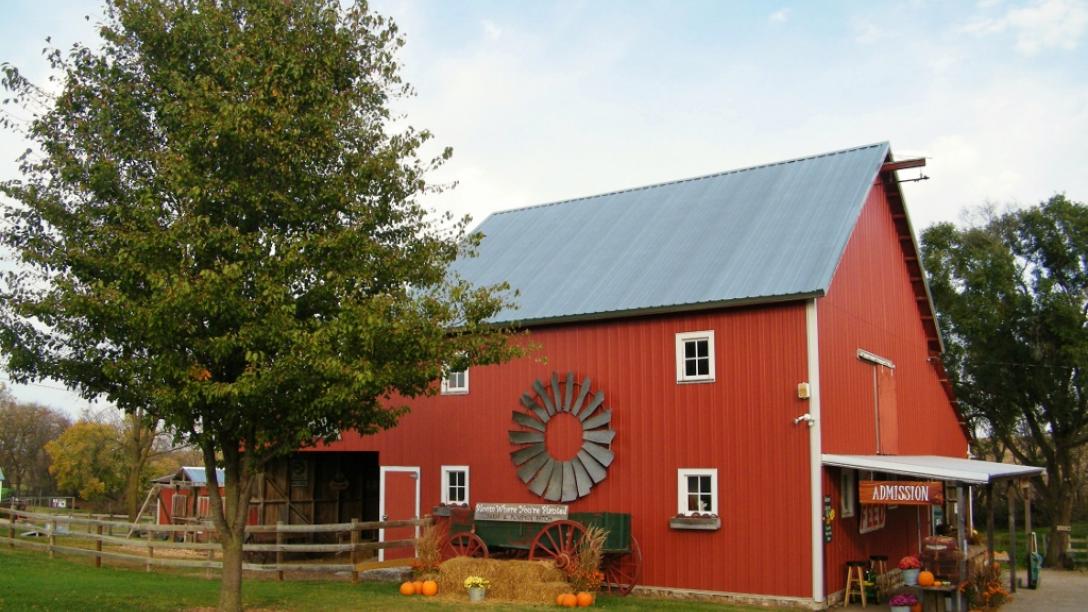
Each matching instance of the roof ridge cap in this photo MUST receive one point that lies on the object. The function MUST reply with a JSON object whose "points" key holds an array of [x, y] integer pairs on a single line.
{"points": [[690, 179]]}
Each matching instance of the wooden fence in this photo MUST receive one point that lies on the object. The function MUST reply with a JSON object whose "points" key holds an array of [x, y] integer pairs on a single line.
{"points": [[1078, 551], [75, 530]]}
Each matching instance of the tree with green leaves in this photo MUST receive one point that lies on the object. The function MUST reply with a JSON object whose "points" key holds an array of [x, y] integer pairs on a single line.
{"points": [[220, 225], [25, 428], [1011, 294]]}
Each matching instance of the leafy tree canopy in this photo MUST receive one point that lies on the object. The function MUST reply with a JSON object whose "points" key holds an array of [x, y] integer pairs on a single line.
{"points": [[1011, 294], [220, 225]]}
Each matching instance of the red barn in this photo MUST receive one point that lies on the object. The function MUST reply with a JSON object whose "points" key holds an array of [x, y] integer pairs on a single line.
{"points": [[720, 357]]}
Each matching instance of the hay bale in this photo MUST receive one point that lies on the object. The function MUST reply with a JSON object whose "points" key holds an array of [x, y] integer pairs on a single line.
{"points": [[513, 579]]}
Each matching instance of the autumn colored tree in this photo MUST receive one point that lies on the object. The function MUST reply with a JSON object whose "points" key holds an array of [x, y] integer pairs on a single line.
{"points": [[219, 225], [87, 460], [1011, 293]]}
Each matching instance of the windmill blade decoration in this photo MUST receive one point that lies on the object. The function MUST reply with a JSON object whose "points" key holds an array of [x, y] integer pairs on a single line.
{"points": [[545, 475]]}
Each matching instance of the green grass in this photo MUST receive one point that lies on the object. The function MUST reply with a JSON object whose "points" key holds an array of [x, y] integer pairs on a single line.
{"points": [[31, 581], [1001, 538]]}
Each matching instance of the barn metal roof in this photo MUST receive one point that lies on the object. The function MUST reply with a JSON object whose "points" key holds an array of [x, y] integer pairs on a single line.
{"points": [[766, 233], [198, 476], [970, 471]]}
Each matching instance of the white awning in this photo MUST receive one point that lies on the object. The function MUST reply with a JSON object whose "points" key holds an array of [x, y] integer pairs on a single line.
{"points": [[968, 471]]}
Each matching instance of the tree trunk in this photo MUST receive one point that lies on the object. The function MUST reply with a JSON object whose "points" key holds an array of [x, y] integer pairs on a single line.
{"points": [[230, 592], [1058, 542]]}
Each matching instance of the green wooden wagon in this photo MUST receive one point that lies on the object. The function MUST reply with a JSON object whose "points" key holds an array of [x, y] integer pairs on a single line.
{"points": [[556, 541]]}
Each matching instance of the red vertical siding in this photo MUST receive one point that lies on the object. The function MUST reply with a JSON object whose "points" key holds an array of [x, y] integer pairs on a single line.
{"points": [[742, 424], [871, 305]]}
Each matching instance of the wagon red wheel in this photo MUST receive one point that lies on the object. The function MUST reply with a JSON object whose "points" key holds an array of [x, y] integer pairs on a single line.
{"points": [[622, 571], [558, 542], [465, 544]]}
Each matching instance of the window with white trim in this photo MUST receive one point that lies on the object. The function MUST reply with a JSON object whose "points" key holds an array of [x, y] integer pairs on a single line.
{"points": [[695, 356], [455, 382], [848, 492], [455, 484], [696, 491]]}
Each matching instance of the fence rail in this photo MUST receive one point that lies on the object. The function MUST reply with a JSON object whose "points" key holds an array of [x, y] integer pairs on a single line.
{"points": [[1078, 551], [99, 532]]}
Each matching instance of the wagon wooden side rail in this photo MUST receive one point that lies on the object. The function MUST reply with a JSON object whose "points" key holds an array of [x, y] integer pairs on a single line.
{"points": [[85, 536]]}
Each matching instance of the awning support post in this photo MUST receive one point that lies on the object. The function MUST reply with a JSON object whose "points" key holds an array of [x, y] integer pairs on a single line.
{"points": [[961, 531], [990, 523], [1011, 491]]}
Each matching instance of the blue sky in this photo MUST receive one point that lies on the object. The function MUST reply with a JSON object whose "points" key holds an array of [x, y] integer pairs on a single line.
{"points": [[543, 101]]}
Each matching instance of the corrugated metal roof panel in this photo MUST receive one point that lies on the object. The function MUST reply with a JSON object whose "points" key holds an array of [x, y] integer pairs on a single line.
{"points": [[754, 234]]}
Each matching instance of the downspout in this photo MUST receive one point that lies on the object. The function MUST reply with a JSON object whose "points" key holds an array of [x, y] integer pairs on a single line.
{"points": [[815, 451]]}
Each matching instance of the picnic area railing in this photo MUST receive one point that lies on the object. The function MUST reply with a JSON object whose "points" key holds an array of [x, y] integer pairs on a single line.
{"points": [[81, 535]]}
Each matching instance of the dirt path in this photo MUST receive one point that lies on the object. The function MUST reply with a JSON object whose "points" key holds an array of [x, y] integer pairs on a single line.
{"points": [[1058, 591]]}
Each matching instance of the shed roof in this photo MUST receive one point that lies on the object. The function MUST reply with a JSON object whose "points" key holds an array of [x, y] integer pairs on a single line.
{"points": [[196, 475], [759, 234], [970, 471]]}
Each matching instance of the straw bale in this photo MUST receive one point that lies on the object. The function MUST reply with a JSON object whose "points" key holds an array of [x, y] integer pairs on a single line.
{"points": [[512, 579]]}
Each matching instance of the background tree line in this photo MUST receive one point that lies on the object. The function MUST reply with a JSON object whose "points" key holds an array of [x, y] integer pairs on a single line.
{"points": [[103, 458]]}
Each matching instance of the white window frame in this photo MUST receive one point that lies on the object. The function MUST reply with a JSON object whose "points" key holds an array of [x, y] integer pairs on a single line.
{"points": [[446, 470], [681, 372], [848, 492], [447, 389], [682, 475]]}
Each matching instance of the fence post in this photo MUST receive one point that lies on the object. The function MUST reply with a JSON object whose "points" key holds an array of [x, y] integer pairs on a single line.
{"points": [[279, 551], [354, 551], [150, 550], [98, 547], [11, 527], [52, 536]]}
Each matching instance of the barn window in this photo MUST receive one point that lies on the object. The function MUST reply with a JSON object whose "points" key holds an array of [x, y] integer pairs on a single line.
{"points": [[695, 356], [203, 508], [455, 382], [179, 505], [455, 484], [848, 492], [697, 491]]}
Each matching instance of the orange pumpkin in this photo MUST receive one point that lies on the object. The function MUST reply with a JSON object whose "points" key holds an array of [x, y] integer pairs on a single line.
{"points": [[418, 586], [925, 578], [407, 589], [559, 599], [584, 599], [569, 600], [430, 587]]}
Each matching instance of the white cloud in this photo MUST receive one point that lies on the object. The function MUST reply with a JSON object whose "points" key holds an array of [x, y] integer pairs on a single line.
{"points": [[1045, 24], [865, 31], [779, 16], [493, 31]]}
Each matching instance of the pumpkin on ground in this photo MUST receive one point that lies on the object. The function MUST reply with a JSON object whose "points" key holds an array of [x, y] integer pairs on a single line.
{"points": [[430, 587], [407, 589], [568, 600], [925, 578], [584, 599], [418, 586]]}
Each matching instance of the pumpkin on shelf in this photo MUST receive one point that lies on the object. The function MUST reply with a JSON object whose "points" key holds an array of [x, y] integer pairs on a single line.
{"points": [[926, 578]]}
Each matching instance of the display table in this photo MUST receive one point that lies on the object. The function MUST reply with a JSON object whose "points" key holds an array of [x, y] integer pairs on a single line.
{"points": [[932, 597]]}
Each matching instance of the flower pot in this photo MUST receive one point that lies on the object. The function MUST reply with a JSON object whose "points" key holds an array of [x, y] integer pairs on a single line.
{"points": [[910, 576], [900, 608], [476, 594]]}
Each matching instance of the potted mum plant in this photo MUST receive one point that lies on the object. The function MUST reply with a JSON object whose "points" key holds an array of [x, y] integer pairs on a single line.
{"points": [[477, 587], [902, 602], [910, 566]]}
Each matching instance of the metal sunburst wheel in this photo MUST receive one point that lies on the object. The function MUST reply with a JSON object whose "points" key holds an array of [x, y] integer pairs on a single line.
{"points": [[546, 476]]}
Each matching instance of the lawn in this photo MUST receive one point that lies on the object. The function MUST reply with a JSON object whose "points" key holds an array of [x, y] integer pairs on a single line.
{"points": [[1001, 538], [31, 581]]}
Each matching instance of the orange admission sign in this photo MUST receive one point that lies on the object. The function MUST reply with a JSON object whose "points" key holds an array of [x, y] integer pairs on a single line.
{"points": [[901, 492]]}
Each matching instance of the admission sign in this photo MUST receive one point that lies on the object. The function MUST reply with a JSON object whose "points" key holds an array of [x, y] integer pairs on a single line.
{"points": [[901, 492]]}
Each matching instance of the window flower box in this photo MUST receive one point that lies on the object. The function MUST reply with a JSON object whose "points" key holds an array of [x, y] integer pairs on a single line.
{"points": [[696, 522], [444, 509]]}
